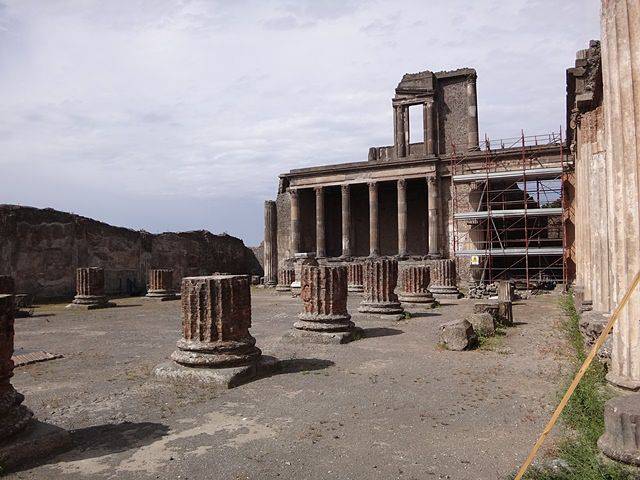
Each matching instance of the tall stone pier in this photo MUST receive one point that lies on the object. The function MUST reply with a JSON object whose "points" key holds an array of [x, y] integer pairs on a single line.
{"points": [[620, 32], [324, 318], [90, 289], [414, 282], [444, 281], [380, 280], [270, 244], [21, 437], [216, 347], [160, 284]]}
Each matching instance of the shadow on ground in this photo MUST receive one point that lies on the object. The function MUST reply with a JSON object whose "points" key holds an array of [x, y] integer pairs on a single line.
{"points": [[294, 365], [381, 332]]}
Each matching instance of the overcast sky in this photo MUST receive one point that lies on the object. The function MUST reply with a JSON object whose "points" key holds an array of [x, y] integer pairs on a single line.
{"points": [[179, 114]]}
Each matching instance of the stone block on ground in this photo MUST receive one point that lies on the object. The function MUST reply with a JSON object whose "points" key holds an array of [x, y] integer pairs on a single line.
{"points": [[621, 438], [483, 324], [458, 335]]}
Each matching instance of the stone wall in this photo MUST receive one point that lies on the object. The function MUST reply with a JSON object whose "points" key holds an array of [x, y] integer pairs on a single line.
{"points": [[42, 248]]}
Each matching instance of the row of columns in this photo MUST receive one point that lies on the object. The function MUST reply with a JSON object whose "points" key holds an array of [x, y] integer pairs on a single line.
{"points": [[433, 197]]}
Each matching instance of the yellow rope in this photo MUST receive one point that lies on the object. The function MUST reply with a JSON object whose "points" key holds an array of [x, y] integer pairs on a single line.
{"points": [[577, 378]]}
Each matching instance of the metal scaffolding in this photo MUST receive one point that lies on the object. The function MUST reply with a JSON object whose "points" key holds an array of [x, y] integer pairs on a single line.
{"points": [[508, 213]]}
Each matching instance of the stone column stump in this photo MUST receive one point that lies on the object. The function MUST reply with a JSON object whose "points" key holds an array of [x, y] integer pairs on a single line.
{"points": [[415, 279], [380, 279], [300, 260], [90, 289], [160, 285], [444, 279], [22, 438], [324, 318], [621, 438], [286, 276], [355, 281], [216, 347]]}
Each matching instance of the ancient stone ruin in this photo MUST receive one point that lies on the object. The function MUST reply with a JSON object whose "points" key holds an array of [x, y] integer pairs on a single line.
{"points": [[355, 277], [444, 283], [90, 289], [415, 280], [286, 276], [21, 437], [216, 347], [324, 318], [7, 285], [380, 280], [160, 285]]}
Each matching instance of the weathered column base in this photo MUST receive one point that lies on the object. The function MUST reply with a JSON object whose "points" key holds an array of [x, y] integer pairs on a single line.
{"points": [[36, 442], [161, 295], [219, 355], [381, 308], [222, 378], [90, 302], [424, 299], [623, 382], [445, 291], [327, 329], [355, 288], [283, 288], [621, 438]]}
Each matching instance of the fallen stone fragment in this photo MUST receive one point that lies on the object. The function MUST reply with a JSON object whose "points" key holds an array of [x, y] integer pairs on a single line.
{"points": [[458, 335], [483, 324]]}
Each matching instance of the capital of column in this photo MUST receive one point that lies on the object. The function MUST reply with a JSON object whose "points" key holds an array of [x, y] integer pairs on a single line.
{"points": [[402, 183], [293, 193], [372, 186], [344, 189]]}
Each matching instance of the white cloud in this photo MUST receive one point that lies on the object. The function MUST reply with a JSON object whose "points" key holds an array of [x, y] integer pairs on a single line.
{"points": [[169, 102]]}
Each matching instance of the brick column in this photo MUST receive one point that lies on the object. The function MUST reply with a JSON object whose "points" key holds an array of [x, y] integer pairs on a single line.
{"points": [[374, 244], [90, 289], [160, 284], [270, 243], [472, 115], [295, 222], [433, 205], [415, 280], [13, 415], [444, 279], [324, 318], [355, 282], [346, 221], [380, 280], [399, 124], [402, 218], [321, 250], [286, 276]]}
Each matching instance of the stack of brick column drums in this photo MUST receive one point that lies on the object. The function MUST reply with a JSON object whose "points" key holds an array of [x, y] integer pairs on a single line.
{"points": [[160, 285], [355, 281], [216, 347], [444, 279], [380, 280], [90, 289], [286, 276], [324, 318], [415, 279]]}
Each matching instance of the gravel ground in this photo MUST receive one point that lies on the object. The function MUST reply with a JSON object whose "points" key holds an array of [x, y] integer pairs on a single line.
{"points": [[392, 405]]}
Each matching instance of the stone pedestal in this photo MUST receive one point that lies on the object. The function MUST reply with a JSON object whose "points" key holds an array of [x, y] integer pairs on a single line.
{"points": [[216, 347], [16, 421], [414, 282], [380, 279], [355, 281], [299, 261], [90, 289], [160, 285], [621, 438], [286, 276], [444, 279], [324, 318]]}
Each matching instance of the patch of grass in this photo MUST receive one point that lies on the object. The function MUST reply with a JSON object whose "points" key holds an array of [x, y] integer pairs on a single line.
{"points": [[491, 342], [407, 315], [583, 417]]}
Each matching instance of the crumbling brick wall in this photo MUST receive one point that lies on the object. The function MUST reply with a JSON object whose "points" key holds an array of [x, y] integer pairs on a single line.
{"points": [[41, 249]]}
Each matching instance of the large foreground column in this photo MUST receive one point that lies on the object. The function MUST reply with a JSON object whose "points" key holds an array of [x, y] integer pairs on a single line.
{"points": [[22, 438], [160, 286], [324, 318], [444, 279], [380, 280], [216, 347], [374, 244], [433, 201], [90, 289], [414, 282], [402, 218], [270, 244], [346, 221]]}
